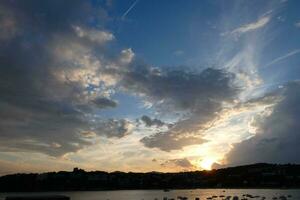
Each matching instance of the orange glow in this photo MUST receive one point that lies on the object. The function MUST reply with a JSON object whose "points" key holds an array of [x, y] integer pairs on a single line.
{"points": [[206, 163]]}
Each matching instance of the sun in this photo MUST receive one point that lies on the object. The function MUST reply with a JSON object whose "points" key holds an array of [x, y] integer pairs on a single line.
{"points": [[207, 163]]}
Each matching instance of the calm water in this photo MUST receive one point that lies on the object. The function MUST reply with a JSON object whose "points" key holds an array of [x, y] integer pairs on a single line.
{"points": [[159, 194]]}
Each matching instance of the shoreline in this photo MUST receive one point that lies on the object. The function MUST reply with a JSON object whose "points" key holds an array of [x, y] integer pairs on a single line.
{"points": [[115, 190]]}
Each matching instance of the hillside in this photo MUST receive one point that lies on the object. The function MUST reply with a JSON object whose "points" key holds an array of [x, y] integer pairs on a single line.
{"points": [[249, 176]]}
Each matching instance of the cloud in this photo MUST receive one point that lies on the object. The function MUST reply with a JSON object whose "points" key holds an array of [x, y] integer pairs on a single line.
{"points": [[180, 90], [88, 134], [57, 78], [252, 26], [277, 138], [217, 166], [114, 128], [181, 164], [53, 78], [62, 74], [261, 22], [8, 23], [152, 122], [8, 167], [197, 96], [102, 102], [127, 56], [167, 141], [93, 35], [58, 74], [297, 24], [178, 53]]}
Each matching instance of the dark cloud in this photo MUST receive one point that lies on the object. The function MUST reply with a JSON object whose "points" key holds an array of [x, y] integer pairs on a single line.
{"points": [[55, 16], [217, 166], [88, 134], [55, 70], [47, 128], [8, 24], [277, 135], [168, 141], [102, 102], [198, 95], [114, 128], [182, 163], [46, 76], [152, 122], [181, 90]]}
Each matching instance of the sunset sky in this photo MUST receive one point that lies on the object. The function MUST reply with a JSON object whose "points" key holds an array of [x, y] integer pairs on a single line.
{"points": [[148, 85]]}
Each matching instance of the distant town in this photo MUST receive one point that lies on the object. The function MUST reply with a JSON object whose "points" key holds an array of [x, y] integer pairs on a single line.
{"points": [[248, 176]]}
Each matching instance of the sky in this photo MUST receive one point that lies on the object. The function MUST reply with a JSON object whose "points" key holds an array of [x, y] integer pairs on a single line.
{"points": [[137, 85]]}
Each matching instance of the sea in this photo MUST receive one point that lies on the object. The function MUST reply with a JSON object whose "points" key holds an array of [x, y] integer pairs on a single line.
{"points": [[161, 194]]}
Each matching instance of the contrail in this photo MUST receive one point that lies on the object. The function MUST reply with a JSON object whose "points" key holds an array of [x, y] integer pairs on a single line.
{"points": [[283, 57], [129, 9]]}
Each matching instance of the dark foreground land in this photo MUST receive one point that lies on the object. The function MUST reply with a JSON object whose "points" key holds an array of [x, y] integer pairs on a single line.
{"points": [[249, 176]]}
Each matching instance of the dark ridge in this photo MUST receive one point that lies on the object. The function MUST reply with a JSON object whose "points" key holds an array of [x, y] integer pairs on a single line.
{"points": [[259, 175]]}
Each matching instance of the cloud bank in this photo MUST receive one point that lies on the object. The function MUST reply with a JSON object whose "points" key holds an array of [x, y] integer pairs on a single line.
{"points": [[60, 72], [200, 96], [51, 80], [277, 134]]}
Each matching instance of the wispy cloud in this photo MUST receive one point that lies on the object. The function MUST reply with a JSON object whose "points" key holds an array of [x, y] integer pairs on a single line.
{"points": [[251, 26], [178, 52], [297, 24], [129, 9], [296, 51]]}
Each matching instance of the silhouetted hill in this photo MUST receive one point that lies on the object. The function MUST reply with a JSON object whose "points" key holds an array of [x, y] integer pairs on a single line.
{"points": [[249, 176]]}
